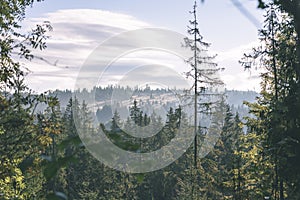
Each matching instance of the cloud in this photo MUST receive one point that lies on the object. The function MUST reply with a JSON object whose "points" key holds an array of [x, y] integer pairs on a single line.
{"points": [[236, 53], [234, 75], [78, 32]]}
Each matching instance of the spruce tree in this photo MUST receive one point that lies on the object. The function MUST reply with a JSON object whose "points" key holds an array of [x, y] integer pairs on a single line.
{"points": [[279, 84], [203, 73]]}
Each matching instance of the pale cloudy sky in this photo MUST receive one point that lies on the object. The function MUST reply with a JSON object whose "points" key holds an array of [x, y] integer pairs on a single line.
{"points": [[80, 26]]}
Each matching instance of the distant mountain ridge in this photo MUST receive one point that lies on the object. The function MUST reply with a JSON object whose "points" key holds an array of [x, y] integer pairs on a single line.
{"points": [[234, 98], [159, 99]]}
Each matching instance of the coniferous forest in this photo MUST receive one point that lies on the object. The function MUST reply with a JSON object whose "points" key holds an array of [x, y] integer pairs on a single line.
{"points": [[256, 147]]}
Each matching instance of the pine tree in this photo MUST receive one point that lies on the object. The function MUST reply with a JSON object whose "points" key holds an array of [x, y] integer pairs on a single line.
{"points": [[203, 73], [278, 57], [20, 171], [135, 113], [115, 124]]}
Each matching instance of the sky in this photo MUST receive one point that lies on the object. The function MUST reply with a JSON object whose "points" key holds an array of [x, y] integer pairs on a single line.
{"points": [[82, 28]]}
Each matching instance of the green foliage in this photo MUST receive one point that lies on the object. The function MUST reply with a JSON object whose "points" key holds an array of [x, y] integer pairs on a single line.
{"points": [[42, 156], [275, 109], [20, 139]]}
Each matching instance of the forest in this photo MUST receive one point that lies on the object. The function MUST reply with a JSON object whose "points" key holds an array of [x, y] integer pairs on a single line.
{"points": [[249, 151]]}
